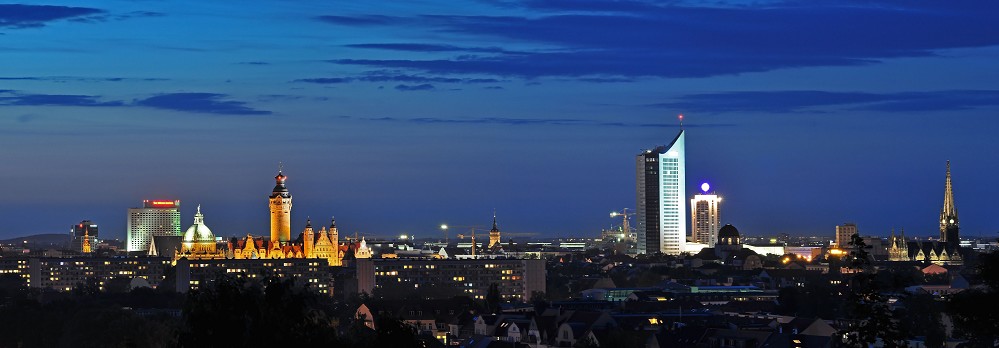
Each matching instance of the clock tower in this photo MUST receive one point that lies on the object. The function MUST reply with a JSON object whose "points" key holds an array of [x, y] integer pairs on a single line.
{"points": [[949, 222], [280, 205]]}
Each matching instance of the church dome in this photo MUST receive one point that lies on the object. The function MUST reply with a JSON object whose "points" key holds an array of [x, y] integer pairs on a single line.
{"points": [[728, 231], [199, 232]]}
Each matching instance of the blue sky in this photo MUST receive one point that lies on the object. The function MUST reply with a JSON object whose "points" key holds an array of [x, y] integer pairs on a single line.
{"points": [[396, 117]]}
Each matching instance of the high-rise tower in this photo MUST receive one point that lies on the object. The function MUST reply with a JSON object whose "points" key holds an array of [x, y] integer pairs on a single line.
{"points": [[949, 223], [155, 218], [662, 220], [704, 216], [280, 204]]}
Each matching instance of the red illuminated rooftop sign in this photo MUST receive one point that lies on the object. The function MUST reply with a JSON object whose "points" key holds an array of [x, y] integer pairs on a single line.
{"points": [[160, 203]]}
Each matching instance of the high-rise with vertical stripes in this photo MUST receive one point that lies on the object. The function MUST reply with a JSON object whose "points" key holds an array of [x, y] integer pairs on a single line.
{"points": [[661, 198]]}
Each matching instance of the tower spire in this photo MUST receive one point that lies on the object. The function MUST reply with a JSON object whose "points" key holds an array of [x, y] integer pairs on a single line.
{"points": [[948, 207], [948, 213], [494, 220]]}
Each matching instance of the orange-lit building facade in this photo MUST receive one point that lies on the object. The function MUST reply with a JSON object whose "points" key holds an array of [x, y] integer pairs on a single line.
{"points": [[199, 242]]}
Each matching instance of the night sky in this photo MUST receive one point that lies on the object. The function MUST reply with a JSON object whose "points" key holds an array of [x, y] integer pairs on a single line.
{"points": [[398, 117]]}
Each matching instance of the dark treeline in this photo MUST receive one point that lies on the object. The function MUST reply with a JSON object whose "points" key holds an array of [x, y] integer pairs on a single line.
{"points": [[228, 312]]}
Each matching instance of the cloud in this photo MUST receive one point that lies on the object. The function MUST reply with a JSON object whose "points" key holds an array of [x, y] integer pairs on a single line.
{"points": [[814, 101], [422, 87], [201, 103], [681, 40], [211, 103], [327, 80], [424, 47], [381, 77], [9, 97], [365, 20], [531, 121], [33, 16], [79, 78]]}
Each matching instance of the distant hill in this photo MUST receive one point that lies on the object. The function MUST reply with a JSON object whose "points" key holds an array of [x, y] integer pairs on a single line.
{"points": [[47, 239]]}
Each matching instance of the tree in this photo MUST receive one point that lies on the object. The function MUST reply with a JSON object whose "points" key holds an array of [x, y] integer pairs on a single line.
{"points": [[493, 298], [871, 316], [973, 310], [232, 312], [922, 313], [391, 332]]}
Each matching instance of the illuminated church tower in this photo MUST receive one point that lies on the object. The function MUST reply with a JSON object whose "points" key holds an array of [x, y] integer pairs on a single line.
{"points": [[948, 214], [86, 242], [308, 239], [280, 204], [336, 257], [494, 234]]}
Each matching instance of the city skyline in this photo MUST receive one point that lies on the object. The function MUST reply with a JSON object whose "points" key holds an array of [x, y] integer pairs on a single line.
{"points": [[399, 118]]}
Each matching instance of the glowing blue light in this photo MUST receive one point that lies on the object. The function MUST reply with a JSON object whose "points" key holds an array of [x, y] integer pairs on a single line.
{"points": [[705, 187]]}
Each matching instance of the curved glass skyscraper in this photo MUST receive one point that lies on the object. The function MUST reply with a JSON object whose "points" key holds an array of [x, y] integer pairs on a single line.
{"points": [[661, 192]]}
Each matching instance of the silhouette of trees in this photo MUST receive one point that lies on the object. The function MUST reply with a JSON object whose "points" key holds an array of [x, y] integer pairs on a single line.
{"points": [[974, 310], [493, 298], [871, 318]]}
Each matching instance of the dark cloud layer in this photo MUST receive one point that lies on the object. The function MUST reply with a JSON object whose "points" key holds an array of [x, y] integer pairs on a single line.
{"points": [[32, 16], [210, 103], [421, 87], [532, 121], [798, 101], [200, 102], [358, 20], [671, 40], [396, 78], [423, 47], [8, 97], [77, 79]]}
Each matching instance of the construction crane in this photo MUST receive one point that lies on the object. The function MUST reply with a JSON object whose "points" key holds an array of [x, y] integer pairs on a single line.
{"points": [[624, 214], [445, 227]]}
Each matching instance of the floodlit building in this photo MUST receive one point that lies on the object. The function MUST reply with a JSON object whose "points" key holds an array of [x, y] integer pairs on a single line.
{"points": [[280, 204], [843, 234], [661, 195], [199, 241], [946, 251], [155, 218], [704, 217]]}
